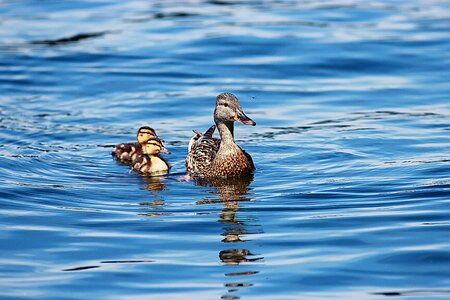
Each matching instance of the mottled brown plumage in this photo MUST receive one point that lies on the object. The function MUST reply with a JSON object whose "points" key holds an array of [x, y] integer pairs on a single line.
{"points": [[208, 158], [127, 153], [205, 150], [150, 162]]}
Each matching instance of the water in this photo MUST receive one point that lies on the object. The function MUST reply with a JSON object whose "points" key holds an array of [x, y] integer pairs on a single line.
{"points": [[351, 194]]}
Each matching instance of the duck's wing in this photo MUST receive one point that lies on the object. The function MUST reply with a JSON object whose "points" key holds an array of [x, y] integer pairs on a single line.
{"points": [[249, 158], [202, 152], [209, 133], [194, 139]]}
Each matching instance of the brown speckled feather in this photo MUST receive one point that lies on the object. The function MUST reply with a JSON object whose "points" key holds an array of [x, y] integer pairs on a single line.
{"points": [[249, 159], [232, 162], [127, 153], [203, 151], [205, 160]]}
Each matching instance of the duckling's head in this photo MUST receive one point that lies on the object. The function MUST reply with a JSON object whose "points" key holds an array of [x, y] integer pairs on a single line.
{"points": [[144, 134], [154, 146], [228, 109]]}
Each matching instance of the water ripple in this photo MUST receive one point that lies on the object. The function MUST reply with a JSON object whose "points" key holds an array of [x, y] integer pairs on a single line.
{"points": [[350, 195]]}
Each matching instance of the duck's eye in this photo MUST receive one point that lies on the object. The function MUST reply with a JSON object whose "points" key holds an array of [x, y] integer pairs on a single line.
{"points": [[225, 104]]}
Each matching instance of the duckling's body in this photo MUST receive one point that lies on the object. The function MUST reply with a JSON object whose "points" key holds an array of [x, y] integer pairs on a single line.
{"points": [[150, 162], [212, 158], [151, 165], [128, 153]]}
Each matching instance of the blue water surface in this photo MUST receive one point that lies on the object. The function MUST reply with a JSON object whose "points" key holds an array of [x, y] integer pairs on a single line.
{"points": [[351, 194]]}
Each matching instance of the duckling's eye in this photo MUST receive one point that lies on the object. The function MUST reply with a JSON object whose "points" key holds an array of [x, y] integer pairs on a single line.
{"points": [[225, 104]]}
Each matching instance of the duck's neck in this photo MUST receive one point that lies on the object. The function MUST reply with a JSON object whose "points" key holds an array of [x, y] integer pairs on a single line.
{"points": [[226, 130]]}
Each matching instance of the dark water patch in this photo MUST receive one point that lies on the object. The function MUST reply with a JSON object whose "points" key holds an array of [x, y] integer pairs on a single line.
{"points": [[416, 293], [162, 15], [81, 268], [71, 39], [242, 273], [125, 261]]}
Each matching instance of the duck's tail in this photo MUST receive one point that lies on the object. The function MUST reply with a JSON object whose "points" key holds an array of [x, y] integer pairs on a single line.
{"points": [[209, 133]]}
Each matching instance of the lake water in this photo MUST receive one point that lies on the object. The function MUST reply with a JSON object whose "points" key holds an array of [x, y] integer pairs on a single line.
{"points": [[351, 196]]}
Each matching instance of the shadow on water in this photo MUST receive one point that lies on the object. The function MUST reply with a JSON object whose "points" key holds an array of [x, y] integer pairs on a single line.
{"points": [[231, 193]]}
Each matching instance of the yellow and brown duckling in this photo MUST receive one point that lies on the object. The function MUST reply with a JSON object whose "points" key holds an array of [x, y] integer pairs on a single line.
{"points": [[127, 153], [150, 162], [208, 158]]}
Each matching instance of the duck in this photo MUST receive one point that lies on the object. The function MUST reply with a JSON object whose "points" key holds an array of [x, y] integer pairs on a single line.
{"points": [[127, 153], [150, 162], [220, 158]]}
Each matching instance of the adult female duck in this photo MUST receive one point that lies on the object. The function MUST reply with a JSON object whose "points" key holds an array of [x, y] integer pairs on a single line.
{"points": [[209, 159]]}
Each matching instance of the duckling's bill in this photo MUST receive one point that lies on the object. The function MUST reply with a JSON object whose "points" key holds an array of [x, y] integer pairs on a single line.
{"points": [[165, 151]]}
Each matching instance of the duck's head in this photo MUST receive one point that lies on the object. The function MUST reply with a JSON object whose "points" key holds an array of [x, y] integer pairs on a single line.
{"points": [[154, 146], [144, 134], [228, 109]]}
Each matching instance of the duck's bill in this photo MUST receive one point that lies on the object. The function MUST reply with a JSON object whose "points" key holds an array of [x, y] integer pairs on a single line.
{"points": [[242, 118]]}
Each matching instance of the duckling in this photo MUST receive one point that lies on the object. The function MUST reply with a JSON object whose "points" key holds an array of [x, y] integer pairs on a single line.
{"points": [[150, 162], [127, 153], [223, 158]]}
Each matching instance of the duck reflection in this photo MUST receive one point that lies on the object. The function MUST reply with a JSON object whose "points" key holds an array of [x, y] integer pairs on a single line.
{"points": [[155, 185], [231, 193]]}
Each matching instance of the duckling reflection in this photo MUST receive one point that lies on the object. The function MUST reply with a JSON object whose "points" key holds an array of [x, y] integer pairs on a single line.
{"points": [[154, 183], [231, 193], [154, 207]]}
